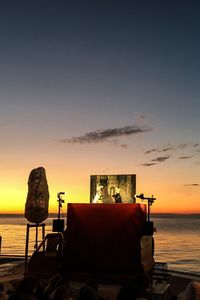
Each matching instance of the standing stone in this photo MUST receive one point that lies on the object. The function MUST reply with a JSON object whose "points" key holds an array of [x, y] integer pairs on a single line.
{"points": [[37, 201]]}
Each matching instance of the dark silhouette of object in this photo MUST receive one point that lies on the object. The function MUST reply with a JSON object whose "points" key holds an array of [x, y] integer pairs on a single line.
{"points": [[37, 201], [52, 284], [93, 283], [117, 197], [150, 201], [61, 292], [87, 293], [26, 289], [125, 293], [11, 292], [59, 224], [136, 288], [52, 245], [1, 287], [3, 295], [60, 202]]}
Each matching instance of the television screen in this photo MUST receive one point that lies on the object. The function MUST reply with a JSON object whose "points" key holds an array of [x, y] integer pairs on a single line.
{"points": [[113, 188]]}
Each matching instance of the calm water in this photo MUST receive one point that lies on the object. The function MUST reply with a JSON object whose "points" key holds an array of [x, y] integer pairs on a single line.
{"points": [[177, 240]]}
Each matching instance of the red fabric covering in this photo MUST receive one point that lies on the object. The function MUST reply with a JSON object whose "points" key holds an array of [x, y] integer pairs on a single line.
{"points": [[104, 238]]}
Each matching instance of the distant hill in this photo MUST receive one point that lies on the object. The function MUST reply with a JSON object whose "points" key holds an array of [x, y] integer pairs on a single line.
{"points": [[51, 215], [170, 215], [153, 215]]}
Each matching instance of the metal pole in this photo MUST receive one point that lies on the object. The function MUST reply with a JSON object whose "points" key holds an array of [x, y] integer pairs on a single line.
{"points": [[148, 216], [59, 209], [43, 235], [26, 250], [36, 236]]}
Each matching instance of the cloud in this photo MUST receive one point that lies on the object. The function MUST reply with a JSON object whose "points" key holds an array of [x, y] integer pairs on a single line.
{"points": [[192, 184], [99, 136], [151, 151], [161, 158], [156, 161], [148, 164], [167, 148], [123, 145], [160, 149], [174, 148]]}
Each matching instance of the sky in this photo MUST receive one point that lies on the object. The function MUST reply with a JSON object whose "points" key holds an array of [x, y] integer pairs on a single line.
{"points": [[100, 87]]}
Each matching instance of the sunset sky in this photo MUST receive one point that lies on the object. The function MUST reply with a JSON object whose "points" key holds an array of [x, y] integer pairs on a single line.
{"points": [[100, 87]]}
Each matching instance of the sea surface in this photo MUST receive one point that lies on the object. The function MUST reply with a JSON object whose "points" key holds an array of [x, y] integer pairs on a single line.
{"points": [[177, 240]]}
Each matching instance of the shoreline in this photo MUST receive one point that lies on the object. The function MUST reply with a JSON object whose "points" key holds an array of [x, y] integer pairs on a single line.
{"points": [[10, 258], [14, 272]]}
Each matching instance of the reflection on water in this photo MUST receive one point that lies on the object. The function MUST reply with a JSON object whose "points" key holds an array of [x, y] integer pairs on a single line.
{"points": [[180, 224], [177, 240], [13, 232]]}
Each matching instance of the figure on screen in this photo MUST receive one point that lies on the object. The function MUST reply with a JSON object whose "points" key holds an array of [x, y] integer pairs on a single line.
{"points": [[117, 196], [117, 188], [98, 197], [106, 197]]}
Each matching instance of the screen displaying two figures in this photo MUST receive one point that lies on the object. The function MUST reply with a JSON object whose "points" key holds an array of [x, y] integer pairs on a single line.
{"points": [[112, 188]]}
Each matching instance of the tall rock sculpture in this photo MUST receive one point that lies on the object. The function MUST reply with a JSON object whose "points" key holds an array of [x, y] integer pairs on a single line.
{"points": [[37, 201]]}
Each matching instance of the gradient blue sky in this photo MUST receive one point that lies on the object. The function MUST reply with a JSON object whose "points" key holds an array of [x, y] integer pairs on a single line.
{"points": [[129, 69]]}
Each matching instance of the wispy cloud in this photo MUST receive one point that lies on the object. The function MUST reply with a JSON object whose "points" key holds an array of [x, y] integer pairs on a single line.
{"points": [[169, 148], [166, 149], [156, 161], [148, 164], [192, 184], [151, 151], [123, 145], [161, 158], [99, 136]]}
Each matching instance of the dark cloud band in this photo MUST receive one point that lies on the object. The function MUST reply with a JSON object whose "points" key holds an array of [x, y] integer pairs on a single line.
{"points": [[169, 148], [160, 158], [192, 184], [102, 135], [156, 161]]}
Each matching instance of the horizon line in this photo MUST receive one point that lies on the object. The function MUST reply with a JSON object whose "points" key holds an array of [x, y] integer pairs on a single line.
{"points": [[152, 214]]}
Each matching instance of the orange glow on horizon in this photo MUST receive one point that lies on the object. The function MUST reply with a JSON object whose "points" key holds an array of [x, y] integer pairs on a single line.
{"points": [[169, 199]]}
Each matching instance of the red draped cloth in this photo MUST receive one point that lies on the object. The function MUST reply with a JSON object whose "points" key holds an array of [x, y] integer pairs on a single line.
{"points": [[103, 240]]}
